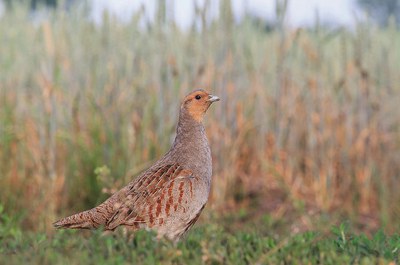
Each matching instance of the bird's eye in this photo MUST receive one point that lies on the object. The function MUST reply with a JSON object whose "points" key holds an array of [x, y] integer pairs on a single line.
{"points": [[198, 97]]}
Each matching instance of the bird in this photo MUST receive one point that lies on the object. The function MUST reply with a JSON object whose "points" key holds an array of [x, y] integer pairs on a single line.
{"points": [[170, 195]]}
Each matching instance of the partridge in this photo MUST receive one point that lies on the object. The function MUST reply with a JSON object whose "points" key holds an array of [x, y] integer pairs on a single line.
{"points": [[170, 195]]}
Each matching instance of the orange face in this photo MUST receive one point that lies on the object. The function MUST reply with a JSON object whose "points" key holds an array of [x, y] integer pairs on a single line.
{"points": [[198, 102]]}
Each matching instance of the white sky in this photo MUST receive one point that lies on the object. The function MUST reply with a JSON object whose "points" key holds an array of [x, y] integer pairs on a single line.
{"points": [[300, 12]]}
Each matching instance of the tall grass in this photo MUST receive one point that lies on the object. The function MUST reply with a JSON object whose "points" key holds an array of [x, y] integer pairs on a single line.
{"points": [[307, 116]]}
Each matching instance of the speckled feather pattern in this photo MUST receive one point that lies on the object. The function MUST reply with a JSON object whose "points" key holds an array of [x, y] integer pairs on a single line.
{"points": [[170, 195]]}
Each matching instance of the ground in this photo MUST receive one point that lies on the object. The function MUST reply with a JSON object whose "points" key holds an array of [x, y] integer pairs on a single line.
{"points": [[205, 244]]}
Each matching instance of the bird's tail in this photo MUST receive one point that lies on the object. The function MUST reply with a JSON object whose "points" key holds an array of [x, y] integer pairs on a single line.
{"points": [[93, 218], [89, 219]]}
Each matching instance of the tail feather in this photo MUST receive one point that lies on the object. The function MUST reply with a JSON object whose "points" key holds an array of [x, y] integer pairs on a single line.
{"points": [[93, 218], [89, 219]]}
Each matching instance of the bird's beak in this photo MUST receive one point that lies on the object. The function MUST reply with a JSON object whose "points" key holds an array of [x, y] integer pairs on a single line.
{"points": [[212, 98]]}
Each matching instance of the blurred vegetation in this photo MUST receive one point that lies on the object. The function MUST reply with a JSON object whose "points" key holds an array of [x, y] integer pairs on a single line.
{"points": [[382, 11], [33, 4], [307, 130]]}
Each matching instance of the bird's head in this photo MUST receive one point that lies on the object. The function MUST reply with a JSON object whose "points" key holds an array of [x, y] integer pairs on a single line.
{"points": [[197, 103]]}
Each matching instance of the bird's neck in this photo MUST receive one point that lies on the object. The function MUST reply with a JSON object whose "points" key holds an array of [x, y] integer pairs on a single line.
{"points": [[190, 148], [189, 130]]}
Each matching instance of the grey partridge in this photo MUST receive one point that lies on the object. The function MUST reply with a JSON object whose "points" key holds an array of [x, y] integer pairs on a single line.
{"points": [[170, 195]]}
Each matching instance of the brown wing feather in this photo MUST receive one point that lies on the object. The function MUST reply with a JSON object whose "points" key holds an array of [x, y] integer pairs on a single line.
{"points": [[153, 197]]}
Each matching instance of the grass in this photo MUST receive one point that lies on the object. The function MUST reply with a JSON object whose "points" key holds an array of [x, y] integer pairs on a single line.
{"points": [[211, 244], [307, 131]]}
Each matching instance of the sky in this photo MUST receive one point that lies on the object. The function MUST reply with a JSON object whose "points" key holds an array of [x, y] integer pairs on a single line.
{"points": [[300, 12]]}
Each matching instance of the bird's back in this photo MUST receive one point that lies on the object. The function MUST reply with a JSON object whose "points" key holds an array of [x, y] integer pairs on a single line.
{"points": [[166, 197]]}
